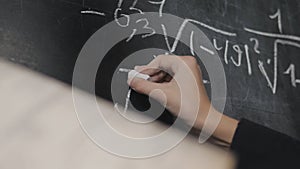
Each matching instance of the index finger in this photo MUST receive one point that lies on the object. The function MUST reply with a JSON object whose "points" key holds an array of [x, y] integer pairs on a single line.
{"points": [[167, 63]]}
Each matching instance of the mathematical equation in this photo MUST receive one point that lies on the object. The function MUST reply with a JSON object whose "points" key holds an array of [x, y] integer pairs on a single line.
{"points": [[241, 51]]}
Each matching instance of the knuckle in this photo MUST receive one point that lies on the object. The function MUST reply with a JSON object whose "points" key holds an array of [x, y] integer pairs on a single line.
{"points": [[159, 57], [190, 60]]}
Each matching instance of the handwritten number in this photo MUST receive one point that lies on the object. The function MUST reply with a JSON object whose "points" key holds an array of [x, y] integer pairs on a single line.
{"points": [[278, 16], [117, 19], [146, 26]]}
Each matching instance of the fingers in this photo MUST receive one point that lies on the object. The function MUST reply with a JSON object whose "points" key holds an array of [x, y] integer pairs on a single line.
{"points": [[161, 71], [158, 77], [159, 68], [146, 70], [168, 78], [146, 87], [168, 63]]}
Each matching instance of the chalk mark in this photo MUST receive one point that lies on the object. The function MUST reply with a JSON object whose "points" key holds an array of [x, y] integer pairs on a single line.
{"points": [[120, 3], [226, 52], [205, 81], [161, 3], [248, 59], [237, 49], [275, 71], [124, 15], [278, 16], [146, 26], [127, 100], [211, 28], [256, 44], [131, 35], [192, 43], [133, 7], [272, 35], [92, 12], [207, 50], [291, 71], [216, 46]]}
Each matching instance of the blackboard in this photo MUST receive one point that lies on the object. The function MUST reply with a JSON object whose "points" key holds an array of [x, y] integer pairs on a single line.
{"points": [[47, 36]]}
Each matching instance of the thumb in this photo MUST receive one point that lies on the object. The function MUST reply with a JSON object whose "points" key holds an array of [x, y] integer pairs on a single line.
{"points": [[144, 86]]}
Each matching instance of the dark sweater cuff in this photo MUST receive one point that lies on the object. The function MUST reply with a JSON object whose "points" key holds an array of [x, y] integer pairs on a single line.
{"points": [[255, 144], [256, 138]]}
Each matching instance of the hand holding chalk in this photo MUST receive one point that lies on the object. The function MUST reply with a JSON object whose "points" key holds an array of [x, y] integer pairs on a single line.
{"points": [[185, 88], [185, 95]]}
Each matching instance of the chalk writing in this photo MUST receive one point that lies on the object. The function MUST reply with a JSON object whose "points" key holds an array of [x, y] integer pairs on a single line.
{"points": [[93, 12], [207, 50], [161, 3], [226, 52], [278, 16], [146, 26], [131, 35], [124, 15], [233, 53], [291, 71], [132, 7], [215, 45], [192, 43], [272, 35], [127, 100], [248, 59], [237, 49], [256, 44]]}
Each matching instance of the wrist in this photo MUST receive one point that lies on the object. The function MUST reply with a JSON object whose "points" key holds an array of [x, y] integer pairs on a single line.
{"points": [[225, 129]]}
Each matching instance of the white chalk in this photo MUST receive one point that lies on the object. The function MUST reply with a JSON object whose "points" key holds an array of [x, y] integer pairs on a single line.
{"points": [[134, 73], [125, 70]]}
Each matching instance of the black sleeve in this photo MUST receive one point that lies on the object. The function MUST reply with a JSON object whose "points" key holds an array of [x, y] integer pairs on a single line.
{"points": [[258, 147]]}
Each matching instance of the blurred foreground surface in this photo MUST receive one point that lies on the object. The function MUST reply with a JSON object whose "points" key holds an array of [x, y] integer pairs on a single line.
{"points": [[39, 129]]}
